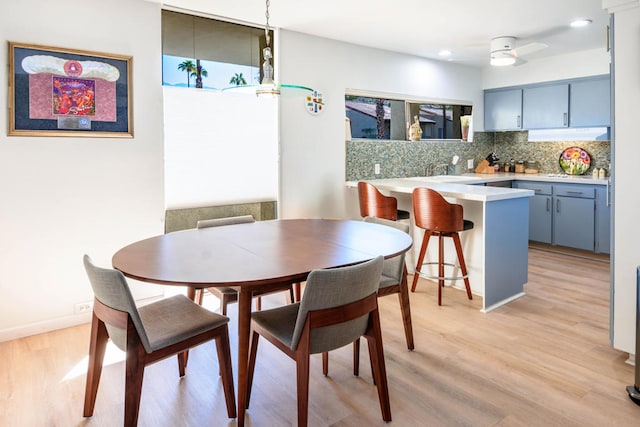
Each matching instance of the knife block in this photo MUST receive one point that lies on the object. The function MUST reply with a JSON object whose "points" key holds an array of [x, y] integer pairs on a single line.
{"points": [[484, 167]]}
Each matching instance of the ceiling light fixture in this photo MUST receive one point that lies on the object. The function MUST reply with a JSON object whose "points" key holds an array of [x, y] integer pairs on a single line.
{"points": [[267, 87], [580, 23], [501, 59]]}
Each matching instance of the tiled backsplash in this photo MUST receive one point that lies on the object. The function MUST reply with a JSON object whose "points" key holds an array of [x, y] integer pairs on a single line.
{"points": [[409, 158]]}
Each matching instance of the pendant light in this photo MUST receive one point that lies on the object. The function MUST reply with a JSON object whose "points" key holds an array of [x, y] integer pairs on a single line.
{"points": [[268, 87]]}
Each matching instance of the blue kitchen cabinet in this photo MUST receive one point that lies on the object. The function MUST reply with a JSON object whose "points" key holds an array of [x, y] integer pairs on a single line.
{"points": [[603, 220], [540, 213], [545, 106], [582, 102], [503, 109], [571, 215], [590, 102], [574, 216]]}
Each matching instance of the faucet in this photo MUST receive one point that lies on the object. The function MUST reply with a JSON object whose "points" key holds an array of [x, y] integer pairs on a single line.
{"points": [[445, 168], [431, 169], [428, 170]]}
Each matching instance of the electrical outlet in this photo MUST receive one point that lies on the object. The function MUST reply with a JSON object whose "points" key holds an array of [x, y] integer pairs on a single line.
{"points": [[376, 169], [83, 307]]}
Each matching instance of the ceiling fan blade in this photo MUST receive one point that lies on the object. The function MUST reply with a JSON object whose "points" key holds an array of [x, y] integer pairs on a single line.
{"points": [[519, 61], [528, 48]]}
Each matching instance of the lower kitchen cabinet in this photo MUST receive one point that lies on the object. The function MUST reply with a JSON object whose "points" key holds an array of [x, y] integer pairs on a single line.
{"points": [[540, 211], [574, 216], [571, 215]]}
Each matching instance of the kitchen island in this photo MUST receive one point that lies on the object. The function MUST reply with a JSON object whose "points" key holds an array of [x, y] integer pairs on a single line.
{"points": [[495, 250]]}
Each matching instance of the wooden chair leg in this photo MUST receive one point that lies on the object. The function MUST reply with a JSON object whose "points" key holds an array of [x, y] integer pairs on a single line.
{"points": [[134, 368], [253, 351], [191, 294], [199, 295], [182, 363], [224, 360], [376, 352], [356, 357], [302, 374], [259, 303], [97, 346], [463, 266], [297, 293], [423, 250], [223, 304], [325, 363], [405, 309]]}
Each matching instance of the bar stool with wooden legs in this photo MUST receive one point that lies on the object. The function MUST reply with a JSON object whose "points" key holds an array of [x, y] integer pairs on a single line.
{"points": [[442, 219], [374, 203]]}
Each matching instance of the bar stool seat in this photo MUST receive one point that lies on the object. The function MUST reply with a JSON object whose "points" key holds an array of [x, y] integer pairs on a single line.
{"points": [[437, 217], [374, 203], [402, 214]]}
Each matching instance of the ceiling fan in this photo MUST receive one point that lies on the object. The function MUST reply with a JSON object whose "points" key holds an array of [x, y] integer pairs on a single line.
{"points": [[504, 51]]}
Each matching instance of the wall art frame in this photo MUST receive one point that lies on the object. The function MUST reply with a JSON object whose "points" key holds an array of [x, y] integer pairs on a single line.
{"points": [[56, 91]]}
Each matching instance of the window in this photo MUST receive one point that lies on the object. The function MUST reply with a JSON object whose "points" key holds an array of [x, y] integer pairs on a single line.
{"points": [[388, 117], [206, 53], [375, 118], [439, 121]]}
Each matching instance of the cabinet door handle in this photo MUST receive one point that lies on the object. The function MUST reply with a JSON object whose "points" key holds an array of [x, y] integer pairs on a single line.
{"points": [[518, 121], [548, 200], [558, 205], [578, 193], [564, 119]]}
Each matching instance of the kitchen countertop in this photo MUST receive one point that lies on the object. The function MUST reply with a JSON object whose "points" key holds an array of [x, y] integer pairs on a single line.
{"points": [[506, 176], [458, 189], [465, 187]]}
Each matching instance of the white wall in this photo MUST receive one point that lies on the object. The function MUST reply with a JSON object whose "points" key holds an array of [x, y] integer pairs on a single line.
{"points": [[63, 197], [313, 147], [580, 64], [219, 148], [626, 200]]}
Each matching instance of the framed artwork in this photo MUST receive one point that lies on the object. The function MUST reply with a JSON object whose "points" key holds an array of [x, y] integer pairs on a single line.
{"points": [[65, 92]]}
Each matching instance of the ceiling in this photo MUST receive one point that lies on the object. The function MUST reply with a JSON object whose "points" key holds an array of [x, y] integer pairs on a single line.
{"points": [[425, 27]]}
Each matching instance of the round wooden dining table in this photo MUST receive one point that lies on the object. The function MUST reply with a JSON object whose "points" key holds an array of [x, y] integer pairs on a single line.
{"points": [[259, 256]]}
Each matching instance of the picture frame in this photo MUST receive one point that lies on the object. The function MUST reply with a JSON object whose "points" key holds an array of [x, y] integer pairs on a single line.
{"points": [[56, 91]]}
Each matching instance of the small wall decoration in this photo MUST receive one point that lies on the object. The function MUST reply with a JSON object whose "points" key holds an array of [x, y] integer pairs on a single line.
{"points": [[314, 102], [65, 92]]}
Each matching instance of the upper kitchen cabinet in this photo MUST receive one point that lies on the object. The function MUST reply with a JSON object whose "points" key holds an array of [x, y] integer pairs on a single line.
{"points": [[545, 107], [503, 109], [583, 102], [590, 102]]}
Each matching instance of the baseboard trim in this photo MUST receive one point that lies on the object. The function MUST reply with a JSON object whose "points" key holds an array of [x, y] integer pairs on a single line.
{"points": [[503, 302], [44, 326]]}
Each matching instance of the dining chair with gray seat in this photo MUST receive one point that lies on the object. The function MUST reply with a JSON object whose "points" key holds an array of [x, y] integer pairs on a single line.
{"points": [[338, 306], [228, 295], [392, 281], [148, 334]]}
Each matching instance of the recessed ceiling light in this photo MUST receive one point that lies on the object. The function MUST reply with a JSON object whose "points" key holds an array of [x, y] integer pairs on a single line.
{"points": [[581, 23], [444, 52]]}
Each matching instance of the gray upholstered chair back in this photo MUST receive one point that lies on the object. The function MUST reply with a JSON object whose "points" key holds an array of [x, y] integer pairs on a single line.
{"points": [[217, 222], [111, 289], [332, 288], [393, 267]]}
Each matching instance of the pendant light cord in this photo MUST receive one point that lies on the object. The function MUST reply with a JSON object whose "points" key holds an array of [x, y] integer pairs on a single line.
{"points": [[267, 28]]}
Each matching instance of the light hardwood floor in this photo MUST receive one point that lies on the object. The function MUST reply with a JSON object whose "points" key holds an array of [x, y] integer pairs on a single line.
{"points": [[542, 360]]}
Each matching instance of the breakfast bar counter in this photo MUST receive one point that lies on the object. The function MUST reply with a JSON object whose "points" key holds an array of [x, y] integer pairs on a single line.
{"points": [[495, 250]]}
